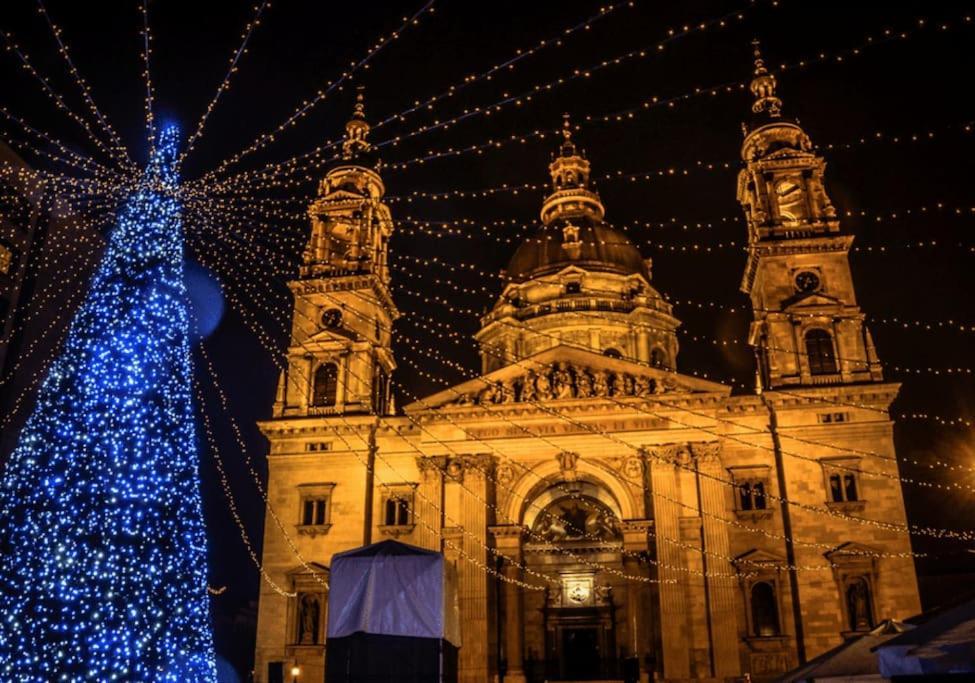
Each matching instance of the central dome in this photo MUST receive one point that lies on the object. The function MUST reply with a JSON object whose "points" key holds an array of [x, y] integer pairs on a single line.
{"points": [[597, 248]]}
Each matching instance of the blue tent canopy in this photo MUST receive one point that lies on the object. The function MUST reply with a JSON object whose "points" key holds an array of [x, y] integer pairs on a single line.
{"points": [[942, 643], [391, 588]]}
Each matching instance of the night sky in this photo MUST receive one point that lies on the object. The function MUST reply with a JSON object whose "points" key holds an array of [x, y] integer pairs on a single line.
{"points": [[894, 88]]}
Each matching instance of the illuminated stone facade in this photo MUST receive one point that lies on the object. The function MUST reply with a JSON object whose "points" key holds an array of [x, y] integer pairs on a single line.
{"points": [[608, 515]]}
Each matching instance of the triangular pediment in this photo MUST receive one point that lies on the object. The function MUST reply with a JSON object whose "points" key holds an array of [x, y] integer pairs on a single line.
{"points": [[567, 373], [815, 300], [851, 552], [335, 334], [340, 194], [755, 559], [307, 570]]}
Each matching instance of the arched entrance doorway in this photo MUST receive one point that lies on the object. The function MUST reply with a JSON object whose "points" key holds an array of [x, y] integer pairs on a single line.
{"points": [[571, 629]]}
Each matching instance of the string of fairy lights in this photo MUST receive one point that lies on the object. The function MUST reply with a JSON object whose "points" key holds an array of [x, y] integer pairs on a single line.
{"points": [[232, 68], [306, 106], [11, 45], [240, 193], [122, 153], [291, 165], [463, 267], [911, 480], [777, 536], [283, 323], [356, 451]]}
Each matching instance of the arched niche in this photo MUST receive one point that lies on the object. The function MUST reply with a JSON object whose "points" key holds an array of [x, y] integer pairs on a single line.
{"points": [[533, 490]]}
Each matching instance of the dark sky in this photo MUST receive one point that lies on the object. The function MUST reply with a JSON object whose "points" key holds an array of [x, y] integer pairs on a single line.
{"points": [[893, 88]]}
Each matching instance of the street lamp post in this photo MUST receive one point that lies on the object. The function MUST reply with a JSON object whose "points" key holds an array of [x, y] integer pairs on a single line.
{"points": [[295, 671]]}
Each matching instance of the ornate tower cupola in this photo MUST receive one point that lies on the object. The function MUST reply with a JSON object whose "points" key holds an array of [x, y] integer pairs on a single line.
{"points": [[340, 359], [356, 132], [571, 198], [577, 282], [807, 326]]}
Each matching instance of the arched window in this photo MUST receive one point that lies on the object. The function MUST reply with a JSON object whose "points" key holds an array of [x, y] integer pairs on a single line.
{"points": [[326, 385], [859, 610], [658, 358], [819, 351], [612, 353], [765, 612]]}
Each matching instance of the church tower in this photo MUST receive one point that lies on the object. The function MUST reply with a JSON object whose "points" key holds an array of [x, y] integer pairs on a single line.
{"points": [[578, 282], [808, 328], [340, 358]]}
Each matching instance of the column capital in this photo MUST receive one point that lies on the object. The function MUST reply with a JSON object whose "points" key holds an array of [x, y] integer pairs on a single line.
{"points": [[508, 536], [453, 537], [635, 533]]}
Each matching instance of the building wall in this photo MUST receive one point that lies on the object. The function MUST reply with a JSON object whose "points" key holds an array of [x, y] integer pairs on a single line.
{"points": [[477, 470]]}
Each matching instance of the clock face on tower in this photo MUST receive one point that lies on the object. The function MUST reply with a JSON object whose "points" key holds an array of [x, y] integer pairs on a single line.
{"points": [[807, 281]]}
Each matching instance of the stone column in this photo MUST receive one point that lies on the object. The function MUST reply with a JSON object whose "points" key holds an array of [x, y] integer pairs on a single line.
{"points": [[643, 345], [673, 599], [467, 509], [508, 539], [721, 589], [428, 501], [639, 642], [304, 388]]}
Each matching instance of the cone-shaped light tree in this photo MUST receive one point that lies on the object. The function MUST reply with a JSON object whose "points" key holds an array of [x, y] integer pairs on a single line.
{"points": [[102, 544]]}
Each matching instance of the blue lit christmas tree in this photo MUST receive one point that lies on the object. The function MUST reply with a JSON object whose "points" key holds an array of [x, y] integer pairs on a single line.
{"points": [[102, 545]]}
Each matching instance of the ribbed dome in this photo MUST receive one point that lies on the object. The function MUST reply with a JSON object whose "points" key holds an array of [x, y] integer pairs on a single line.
{"points": [[599, 247]]}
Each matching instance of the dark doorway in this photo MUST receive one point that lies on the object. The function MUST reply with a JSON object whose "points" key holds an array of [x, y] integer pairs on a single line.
{"points": [[580, 652]]}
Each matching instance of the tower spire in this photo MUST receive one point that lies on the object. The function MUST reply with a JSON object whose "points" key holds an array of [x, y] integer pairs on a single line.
{"points": [[356, 130], [571, 197], [763, 86], [568, 148]]}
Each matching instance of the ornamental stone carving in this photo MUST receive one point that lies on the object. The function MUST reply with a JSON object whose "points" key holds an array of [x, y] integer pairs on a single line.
{"points": [[580, 519], [633, 469], [567, 464], [566, 381], [686, 455], [505, 475]]}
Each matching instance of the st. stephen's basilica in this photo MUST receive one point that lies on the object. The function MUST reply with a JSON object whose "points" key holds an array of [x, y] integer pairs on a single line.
{"points": [[608, 516]]}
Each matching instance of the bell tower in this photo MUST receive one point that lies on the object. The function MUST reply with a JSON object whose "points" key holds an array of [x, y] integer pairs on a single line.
{"points": [[340, 358], [807, 327]]}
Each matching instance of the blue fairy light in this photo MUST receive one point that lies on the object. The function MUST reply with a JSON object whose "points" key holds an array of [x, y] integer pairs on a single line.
{"points": [[102, 544]]}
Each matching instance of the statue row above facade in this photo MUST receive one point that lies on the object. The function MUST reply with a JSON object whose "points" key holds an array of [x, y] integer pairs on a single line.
{"points": [[566, 381]]}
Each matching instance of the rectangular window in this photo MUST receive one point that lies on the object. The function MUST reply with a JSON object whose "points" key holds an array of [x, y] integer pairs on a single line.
{"points": [[751, 495], [314, 511], [842, 482], [314, 516], [751, 484], [316, 446], [397, 508]]}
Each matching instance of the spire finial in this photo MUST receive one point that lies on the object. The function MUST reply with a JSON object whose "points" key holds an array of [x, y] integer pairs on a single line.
{"points": [[759, 62], [360, 103], [356, 129], [763, 86], [568, 147]]}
